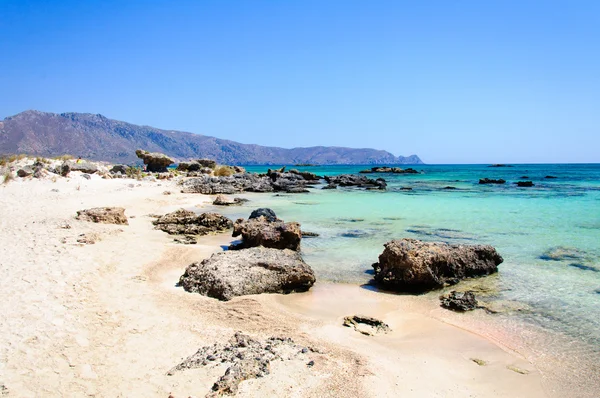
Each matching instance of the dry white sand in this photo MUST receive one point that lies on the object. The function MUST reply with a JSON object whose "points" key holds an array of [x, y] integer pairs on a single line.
{"points": [[106, 319]]}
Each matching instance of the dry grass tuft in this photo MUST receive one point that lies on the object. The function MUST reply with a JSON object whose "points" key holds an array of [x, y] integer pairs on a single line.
{"points": [[7, 177], [64, 157], [224, 171]]}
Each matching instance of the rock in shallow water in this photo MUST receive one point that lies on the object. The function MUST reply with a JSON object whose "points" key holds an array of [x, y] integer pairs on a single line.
{"points": [[414, 265], [262, 232], [459, 301], [250, 271]]}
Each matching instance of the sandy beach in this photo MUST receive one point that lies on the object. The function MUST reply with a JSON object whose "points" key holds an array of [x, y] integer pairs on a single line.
{"points": [[106, 319]]}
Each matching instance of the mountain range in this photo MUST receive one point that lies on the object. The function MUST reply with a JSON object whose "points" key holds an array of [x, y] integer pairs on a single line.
{"points": [[93, 136]]}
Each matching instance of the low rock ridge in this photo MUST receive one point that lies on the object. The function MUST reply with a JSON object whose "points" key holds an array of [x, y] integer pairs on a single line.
{"points": [[414, 265], [352, 180], [186, 222], [386, 169]]}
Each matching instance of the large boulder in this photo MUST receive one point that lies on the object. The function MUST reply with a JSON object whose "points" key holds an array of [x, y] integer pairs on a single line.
{"points": [[104, 215], [211, 164], [262, 232], [185, 222], [414, 265], [80, 165], [25, 171], [251, 271], [156, 162]]}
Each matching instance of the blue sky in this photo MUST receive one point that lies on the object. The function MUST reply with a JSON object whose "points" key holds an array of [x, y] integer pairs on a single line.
{"points": [[452, 81]]}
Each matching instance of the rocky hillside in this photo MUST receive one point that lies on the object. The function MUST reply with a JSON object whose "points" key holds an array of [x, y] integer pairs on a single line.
{"points": [[97, 137]]}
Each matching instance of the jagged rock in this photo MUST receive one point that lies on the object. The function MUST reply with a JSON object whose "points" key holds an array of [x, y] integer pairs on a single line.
{"points": [[491, 181], [211, 164], [185, 222], [104, 215], [414, 265], [366, 325], [307, 234], [186, 240], [81, 165], [262, 232], [251, 271], [330, 186], [25, 171], [306, 175], [222, 200], [239, 169], [264, 212], [183, 166], [349, 180], [246, 358], [524, 183], [459, 301], [156, 162]]}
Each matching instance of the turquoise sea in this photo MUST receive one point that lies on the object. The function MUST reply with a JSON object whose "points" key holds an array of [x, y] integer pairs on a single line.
{"points": [[549, 234]]}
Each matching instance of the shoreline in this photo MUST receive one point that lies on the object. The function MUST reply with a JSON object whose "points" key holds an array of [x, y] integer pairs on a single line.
{"points": [[107, 319]]}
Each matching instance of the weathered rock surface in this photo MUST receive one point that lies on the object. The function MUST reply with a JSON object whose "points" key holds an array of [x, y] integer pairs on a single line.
{"points": [[185, 222], [119, 168], [223, 200], [250, 271], [245, 357], [264, 212], [351, 180], [25, 171], [366, 325], [414, 265], [156, 162], [211, 164], [262, 232], [81, 165], [491, 181], [104, 215], [459, 301]]}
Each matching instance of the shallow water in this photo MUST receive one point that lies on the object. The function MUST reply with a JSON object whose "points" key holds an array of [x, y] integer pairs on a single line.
{"points": [[560, 294]]}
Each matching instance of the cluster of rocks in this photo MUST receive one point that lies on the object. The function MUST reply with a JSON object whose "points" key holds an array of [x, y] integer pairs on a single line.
{"points": [[492, 181], [385, 169], [245, 358], [351, 180], [266, 261], [222, 200]]}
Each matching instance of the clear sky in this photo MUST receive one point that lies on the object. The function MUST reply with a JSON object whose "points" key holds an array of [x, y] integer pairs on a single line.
{"points": [[452, 81]]}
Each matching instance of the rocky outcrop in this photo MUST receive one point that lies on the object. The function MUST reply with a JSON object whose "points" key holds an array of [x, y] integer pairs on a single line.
{"points": [[245, 358], [491, 181], [213, 185], [366, 325], [351, 180], [185, 222], [394, 170], [104, 215], [81, 165], [459, 301], [262, 232], [25, 171], [223, 200], [414, 265], [156, 162], [251, 271], [211, 164]]}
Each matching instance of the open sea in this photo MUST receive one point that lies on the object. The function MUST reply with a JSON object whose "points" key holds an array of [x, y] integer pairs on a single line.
{"points": [[548, 234]]}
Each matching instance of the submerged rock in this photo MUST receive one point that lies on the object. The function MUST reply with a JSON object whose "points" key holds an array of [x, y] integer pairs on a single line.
{"points": [[562, 253], [459, 301], [366, 325], [250, 271], [262, 232], [185, 222], [414, 265], [104, 215], [492, 181], [524, 183]]}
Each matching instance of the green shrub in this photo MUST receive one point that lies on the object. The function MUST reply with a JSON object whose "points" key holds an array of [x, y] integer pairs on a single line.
{"points": [[134, 172]]}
